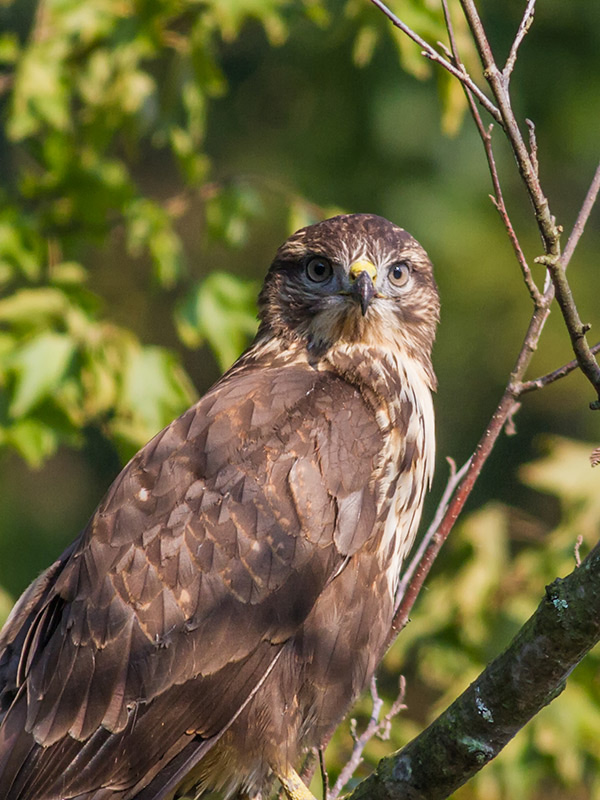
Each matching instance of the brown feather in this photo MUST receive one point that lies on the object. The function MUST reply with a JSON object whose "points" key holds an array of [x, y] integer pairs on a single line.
{"points": [[233, 591]]}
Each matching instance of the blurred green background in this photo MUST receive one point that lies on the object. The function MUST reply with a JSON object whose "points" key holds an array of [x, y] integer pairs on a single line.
{"points": [[153, 155]]}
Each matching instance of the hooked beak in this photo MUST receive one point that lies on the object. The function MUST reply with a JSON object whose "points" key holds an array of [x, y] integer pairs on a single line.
{"points": [[362, 277]]}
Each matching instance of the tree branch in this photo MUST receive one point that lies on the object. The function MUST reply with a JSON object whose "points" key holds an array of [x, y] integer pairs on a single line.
{"points": [[412, 773], [529, 674], [486, 138], [549, 231], [432, 54], [508, 405], [526, 23], [582, 218], [420, 560], [375, 727], [550, 377]]}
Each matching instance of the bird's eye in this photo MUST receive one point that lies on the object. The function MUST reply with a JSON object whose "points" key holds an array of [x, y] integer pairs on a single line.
{"points": [[399, 273], [319, 270]]}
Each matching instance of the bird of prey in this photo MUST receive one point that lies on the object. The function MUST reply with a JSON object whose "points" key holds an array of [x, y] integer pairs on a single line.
{"points": [[233, 592]]}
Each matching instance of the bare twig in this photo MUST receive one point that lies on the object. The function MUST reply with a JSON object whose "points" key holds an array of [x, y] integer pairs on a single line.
{"points": [[498, 197], [548, 228], [576, 550], [576, 328], [375, 727], [546, 223], [432, 54], [533, 147], [453, 480], [550, 377], [521, 33], [582, 218], [324, 775]]}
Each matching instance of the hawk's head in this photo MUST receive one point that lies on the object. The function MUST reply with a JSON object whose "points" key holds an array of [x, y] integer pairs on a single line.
{"points": [[355, 278]]}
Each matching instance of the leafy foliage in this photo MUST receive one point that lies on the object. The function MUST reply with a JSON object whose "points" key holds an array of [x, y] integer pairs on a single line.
{"points": [[93, 90]]}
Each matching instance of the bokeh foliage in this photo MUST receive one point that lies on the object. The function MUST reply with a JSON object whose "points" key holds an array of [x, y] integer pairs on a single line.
{"points": [[153, 154]]}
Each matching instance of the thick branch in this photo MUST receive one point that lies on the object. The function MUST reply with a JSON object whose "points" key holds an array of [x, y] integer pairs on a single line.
{"points": [[529, 674]]}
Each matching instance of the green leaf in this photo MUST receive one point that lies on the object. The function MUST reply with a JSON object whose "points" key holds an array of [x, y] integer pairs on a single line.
{"points": [[9, 48], [154, 392], [149, 227], [222, 311], [41, 92], [33, 307], [6, 603], [17, 251], [33, 439], [69, 273], [229, 212], [39, 366]]}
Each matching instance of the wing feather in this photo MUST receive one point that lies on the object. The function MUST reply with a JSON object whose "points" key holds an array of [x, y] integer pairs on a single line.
{"points": [[207, 554]]}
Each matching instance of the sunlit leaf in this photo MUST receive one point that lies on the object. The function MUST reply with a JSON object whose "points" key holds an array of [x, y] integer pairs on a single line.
{"points": [[39, 366], [222, 311], [33, 439], [33, 307], [154, 392], [6, 603]]}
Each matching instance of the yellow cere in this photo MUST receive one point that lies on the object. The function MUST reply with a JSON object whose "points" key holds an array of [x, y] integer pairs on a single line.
{"points": [[363, 266]]}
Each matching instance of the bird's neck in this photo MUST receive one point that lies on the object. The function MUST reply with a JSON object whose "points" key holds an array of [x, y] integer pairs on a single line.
{"points": [[387, 377]]}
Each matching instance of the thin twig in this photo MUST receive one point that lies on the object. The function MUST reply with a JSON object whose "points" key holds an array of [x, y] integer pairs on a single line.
{"points": [[550, 377], [533, 147], [432, 54], [453, 480], [582, 218], [576, 328], [498, 197], [548, 228], [375, 727], [521, 34], [324, 775], [577, 549]]}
